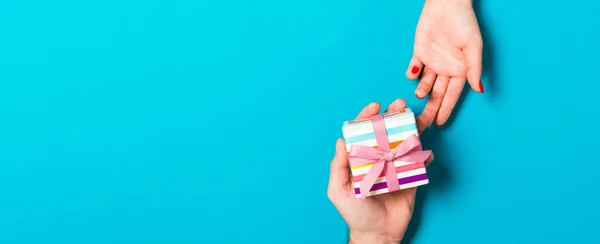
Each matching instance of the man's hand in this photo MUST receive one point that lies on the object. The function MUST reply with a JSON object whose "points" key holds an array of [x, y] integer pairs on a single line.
{"points": [[376, 219], [447, 51]]}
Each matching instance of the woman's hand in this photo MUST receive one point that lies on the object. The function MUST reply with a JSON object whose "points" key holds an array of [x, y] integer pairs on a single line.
{"points": [[376, 219], [447, 51]]}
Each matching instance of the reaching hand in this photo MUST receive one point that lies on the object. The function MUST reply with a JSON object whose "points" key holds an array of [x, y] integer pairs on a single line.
{"points": [[448, 44], [375, 219]]}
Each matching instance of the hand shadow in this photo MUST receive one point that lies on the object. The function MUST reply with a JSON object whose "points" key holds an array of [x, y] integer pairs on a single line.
{"points": [[439, 178], [438, 171]]}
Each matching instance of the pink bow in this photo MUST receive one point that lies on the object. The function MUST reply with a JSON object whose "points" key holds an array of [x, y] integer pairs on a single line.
{"points": [[408, 151]]}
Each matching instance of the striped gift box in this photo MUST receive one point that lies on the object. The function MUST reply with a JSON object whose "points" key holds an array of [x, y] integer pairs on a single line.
{"points": [[399, 125]]}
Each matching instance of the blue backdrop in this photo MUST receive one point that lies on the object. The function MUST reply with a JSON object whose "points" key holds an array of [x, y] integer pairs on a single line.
{"points": [[180, 121]]}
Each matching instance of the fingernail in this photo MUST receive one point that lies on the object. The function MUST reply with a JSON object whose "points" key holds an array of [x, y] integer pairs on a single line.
{"points": [[415, 70], [480, 87]]}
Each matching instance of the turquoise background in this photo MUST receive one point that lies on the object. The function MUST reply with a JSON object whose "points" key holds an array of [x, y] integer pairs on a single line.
{"points": [[215, 121]]}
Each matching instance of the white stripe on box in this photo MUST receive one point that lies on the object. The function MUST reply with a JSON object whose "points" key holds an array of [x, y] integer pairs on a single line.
{"points": [[367, 127], [391, 138]]}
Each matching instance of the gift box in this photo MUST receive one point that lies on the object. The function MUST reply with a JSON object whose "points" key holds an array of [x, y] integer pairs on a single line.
{"points": [[385, 153]]}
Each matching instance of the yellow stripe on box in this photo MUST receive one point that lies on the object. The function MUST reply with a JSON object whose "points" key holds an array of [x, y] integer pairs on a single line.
{"points": [[362, 166]]}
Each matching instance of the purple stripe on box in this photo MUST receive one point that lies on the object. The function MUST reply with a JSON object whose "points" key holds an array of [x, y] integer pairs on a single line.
{"points": [[402, 181]]}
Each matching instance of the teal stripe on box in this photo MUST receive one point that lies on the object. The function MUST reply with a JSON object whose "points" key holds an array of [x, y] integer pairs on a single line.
{"points": [[390, 131]]}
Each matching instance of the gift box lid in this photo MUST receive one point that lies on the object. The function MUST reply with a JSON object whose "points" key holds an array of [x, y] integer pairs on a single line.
{"points": [[405, 111], [400, 121]]}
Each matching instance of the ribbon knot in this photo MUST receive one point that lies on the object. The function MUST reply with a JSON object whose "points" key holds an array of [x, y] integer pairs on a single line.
{"points": [[383, 157], [388, 157]]}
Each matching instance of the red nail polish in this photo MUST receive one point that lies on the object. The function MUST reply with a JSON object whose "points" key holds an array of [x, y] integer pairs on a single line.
{"points": [[480, 87], [415, 70]]}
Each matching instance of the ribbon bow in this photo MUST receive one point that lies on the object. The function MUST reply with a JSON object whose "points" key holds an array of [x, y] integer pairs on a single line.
{"points": [[409, 151]]}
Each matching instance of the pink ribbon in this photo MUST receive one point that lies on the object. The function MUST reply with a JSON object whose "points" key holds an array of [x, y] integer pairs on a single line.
{"points": [[408, 151]]}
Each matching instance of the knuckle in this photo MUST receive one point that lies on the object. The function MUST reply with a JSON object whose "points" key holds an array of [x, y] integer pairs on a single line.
{"points": [[447, 107], [427, 87], [427, 118], [458, 70], [436, 94], [428, 72], [424, 86], [419, 52], [453, 93], [429, 112], [330, 193]]}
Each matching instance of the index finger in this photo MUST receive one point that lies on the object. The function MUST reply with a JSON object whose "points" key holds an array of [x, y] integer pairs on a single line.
{"points": [[435, 101], [450, 99]]}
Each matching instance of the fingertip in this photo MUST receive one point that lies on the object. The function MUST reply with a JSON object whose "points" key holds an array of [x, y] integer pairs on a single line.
{"points": [[440, 120], [420, 93], [429, 160], [340, 145], [474, 79], [339, 165], [341, 152], [425, 86], [476, 85], [370, 110], [401, 103], [414, 69], [411, 76], [397, 105], [473, 55], [374, 106]]}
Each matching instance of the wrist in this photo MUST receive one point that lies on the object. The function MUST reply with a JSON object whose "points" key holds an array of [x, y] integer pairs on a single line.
{"points": [[371, 238]]}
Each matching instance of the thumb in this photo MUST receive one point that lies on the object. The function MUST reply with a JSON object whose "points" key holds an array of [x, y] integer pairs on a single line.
{"points": [[429, 160], [339, 176], [473, 53]]}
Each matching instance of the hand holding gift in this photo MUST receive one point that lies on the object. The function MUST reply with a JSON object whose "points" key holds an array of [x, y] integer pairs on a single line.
{"points": [[379, 217]]}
